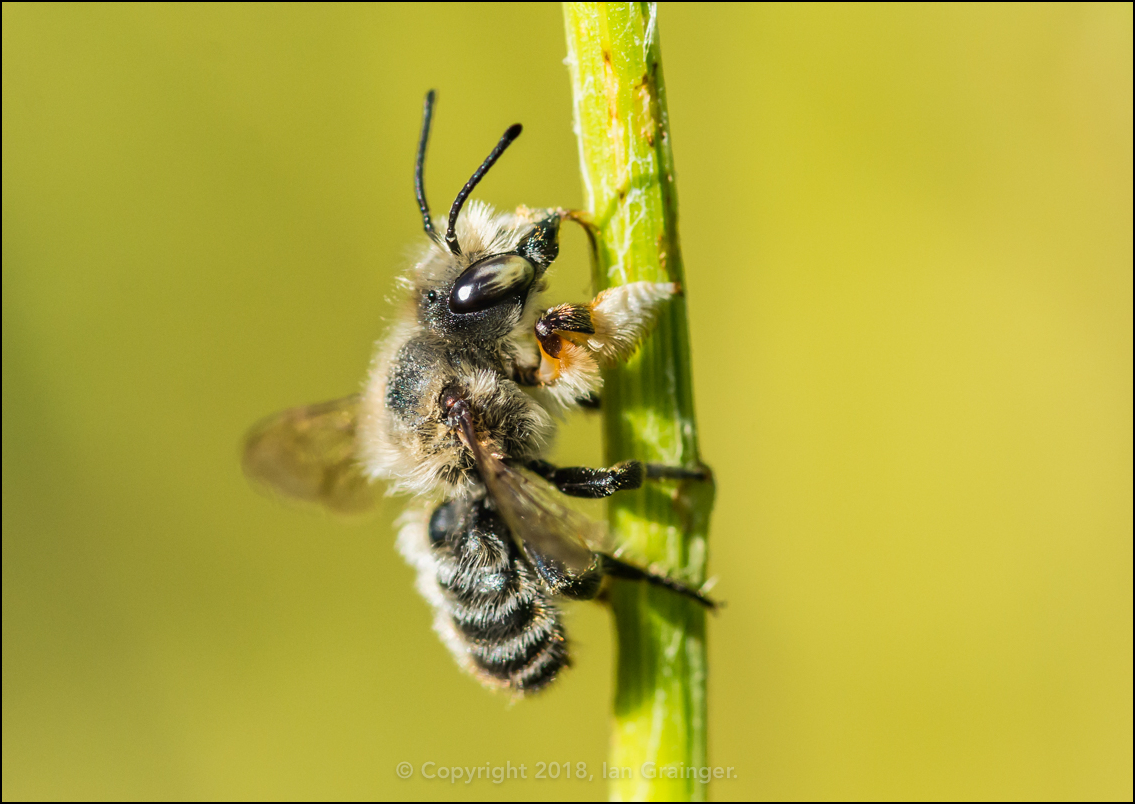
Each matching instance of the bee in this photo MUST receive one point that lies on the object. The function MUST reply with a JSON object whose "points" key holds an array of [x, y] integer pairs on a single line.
{"points": [[460, 403]]}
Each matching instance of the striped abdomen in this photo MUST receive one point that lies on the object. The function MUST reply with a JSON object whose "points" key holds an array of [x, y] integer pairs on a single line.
{"points": [[500, 610]]}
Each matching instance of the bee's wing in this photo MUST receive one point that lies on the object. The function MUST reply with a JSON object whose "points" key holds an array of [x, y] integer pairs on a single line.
{"points": [[309, 454], [556, 538], [544, 526]]}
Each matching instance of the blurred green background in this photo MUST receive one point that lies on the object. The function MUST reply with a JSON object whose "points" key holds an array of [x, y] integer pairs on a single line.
{"points": [[908, 233]]}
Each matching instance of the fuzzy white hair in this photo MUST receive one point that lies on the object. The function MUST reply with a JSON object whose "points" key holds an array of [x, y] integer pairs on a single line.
{"points": [[481, 232], [623, 316]]}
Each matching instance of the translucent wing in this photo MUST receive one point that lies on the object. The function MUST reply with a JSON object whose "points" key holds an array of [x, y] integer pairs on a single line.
{"points": [[556, 538], [309, 454], [546, 529]]}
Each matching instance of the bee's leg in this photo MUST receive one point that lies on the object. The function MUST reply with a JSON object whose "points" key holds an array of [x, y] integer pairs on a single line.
{"points": [[620, 569], [560, 581], [587, 223], [584, 481], [659, 471], [564, 318], [583, 587], [446, 522], [528, 376], [542, 244]]}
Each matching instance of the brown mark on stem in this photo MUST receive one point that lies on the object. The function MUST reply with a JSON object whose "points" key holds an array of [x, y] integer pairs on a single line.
{"points": [[616, 127], [646, 96]]}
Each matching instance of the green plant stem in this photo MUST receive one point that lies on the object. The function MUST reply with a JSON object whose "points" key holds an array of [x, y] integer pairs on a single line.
{"points": [[628, 175]]}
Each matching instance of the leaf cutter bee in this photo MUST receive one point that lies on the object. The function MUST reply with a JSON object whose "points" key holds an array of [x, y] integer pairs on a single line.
{"points": [[458, 407]]}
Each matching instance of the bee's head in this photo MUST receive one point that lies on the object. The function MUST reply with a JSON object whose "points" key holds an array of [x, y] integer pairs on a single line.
{"points": [[477, 281]]}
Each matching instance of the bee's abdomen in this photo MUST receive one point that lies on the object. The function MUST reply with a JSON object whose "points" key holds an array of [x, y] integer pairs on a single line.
{"points": [[510, 626]]}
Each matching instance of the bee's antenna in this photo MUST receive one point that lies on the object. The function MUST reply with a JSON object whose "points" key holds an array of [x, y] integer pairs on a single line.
{"points": [[506, 140], [419, 184]]}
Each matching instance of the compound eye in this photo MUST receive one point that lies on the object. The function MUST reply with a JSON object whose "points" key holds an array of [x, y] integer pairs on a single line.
{"points": [[489, 282]]}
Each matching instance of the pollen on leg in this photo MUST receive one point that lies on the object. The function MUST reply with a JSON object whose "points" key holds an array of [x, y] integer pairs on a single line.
{"points": [[549, 370], [575, 369]]}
